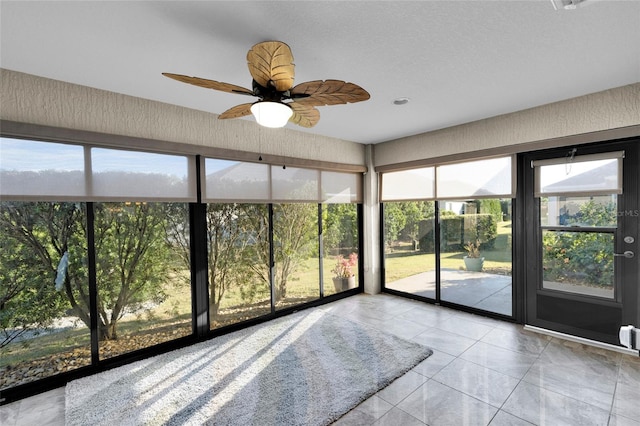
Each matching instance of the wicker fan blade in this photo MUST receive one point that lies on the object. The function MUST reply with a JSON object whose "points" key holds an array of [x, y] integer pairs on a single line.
{"points": [[237, 111], [329, 92], [304, 115], [271, 65], [209, 84]]}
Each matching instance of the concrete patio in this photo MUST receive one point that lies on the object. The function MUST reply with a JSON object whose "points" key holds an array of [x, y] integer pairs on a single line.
{"points": [[481, 290]]}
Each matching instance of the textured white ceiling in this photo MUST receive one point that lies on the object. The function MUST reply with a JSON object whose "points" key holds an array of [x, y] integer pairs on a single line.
{"points": [[458, 61]]}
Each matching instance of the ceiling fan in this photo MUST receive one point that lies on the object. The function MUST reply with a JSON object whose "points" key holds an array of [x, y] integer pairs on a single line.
{"points": [[279, 101]]}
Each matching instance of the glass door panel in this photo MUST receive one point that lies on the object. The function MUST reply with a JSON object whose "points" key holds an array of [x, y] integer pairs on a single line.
{"points": [[409, 253], [296, 254], [475, 254], [340, 243], [142, 275], [44, 311]]}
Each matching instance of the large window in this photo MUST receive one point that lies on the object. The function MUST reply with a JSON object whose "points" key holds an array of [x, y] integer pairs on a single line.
{"points": [[272, 255], [578, 221], [238, 259], [475, 254], [470, 263], [340, 243], [98, 247], [44, 306], [142, 274], [409, 251], [113, 217]]}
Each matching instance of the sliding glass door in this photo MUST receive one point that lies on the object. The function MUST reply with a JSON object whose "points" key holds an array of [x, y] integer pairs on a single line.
{"points": [[447, 234]]}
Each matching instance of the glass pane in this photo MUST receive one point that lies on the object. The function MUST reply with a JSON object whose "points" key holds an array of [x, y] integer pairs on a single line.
{"points": [[142, 275], [44, 316], [475, 258], [415, 184], [41, 169], [475, 179], [578, 262], [340, 187], [293, 183], [238, 254], [235, 180], [340, 242], [122, 174], [589, 177], [296, 253], [409, 247], [579, 211]]}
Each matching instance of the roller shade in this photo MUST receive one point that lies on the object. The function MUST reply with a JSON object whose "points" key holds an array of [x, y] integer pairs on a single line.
{"points": [[598, 174], [414, 184], [486, 178], [237, 181], [46, 171], [489, 178]]}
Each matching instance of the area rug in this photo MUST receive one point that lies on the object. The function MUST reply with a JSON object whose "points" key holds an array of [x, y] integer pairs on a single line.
{"points": [[308, 368]]}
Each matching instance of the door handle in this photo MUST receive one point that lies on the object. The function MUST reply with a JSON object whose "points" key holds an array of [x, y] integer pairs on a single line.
{"points": [[628, 254]]}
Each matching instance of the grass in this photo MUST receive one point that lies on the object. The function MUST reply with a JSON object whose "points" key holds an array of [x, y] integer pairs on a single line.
{"points": [[404, 262]]}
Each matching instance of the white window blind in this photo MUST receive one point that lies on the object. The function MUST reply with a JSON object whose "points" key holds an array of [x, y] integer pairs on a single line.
{"points": [[236, 181], [340, 187], [598, 174], [415, 184], [293, 183], [30, 169], [46, 171], [141, 176], [489, 178]]}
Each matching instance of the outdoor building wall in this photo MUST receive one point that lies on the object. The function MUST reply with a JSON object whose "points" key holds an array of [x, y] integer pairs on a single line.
{"points": [[36, 100]]}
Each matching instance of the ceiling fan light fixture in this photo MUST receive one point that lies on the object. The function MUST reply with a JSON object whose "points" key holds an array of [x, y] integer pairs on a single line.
{"points": [[271, 114]]}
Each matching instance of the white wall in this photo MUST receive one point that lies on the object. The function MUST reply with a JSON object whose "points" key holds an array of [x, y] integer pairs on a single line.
{"points": [[612, 109]]}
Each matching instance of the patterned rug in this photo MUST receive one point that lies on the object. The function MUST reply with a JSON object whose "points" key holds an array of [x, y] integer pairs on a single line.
{"points": [[308, 368]]}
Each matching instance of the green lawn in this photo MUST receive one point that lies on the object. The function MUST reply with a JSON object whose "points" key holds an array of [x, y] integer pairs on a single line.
{"points": [[403, 262]]}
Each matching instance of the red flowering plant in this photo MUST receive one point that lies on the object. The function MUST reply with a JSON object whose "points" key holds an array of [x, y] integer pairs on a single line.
{"points": [[344, 266]]}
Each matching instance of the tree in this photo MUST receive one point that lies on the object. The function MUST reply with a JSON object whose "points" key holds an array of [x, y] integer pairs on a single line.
{"points": [[131, 254], [394, 222], [340, 228], [295, 230], [28, 299], [415, 212], [229, 237], [37, 236], [131, 258]]}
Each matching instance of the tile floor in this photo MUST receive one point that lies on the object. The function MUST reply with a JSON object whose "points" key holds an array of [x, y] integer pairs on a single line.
{"points": [[482, 372]]}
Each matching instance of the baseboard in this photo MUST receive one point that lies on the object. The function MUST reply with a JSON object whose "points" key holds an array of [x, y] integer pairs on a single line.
{"points": [[582, 340]]}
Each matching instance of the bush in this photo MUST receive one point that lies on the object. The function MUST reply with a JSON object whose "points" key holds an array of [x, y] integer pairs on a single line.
{"points": [[456, 231]]}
